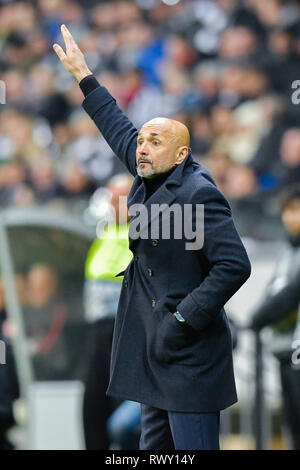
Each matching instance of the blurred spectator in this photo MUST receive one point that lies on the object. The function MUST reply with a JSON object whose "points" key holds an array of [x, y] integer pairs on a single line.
{"points": [[238, 43], [290, 156], [240, 182], [43, 180], [266, 161], [75, 182], [50, 330], [44, 99], [281, 63], [280, 309], [108, 255]]}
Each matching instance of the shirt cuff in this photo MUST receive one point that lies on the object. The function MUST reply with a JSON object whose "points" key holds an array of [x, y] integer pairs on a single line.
{"points": [[89, 84]]}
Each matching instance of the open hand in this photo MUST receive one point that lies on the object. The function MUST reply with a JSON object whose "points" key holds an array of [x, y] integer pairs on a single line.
{"points": [[73, 59]]}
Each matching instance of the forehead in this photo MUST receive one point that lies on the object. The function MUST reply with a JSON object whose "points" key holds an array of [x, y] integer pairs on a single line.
{"points": [[156, 130]]}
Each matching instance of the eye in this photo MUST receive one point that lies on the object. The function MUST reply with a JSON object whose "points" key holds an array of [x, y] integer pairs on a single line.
{"points": [[140, 142], [156, 142]]}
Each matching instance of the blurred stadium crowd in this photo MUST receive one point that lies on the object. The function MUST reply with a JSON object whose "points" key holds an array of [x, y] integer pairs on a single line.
{"points": [[223, 67]]}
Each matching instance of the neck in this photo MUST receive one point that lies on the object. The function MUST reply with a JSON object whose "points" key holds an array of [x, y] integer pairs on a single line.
{"points": [[152, 184]]}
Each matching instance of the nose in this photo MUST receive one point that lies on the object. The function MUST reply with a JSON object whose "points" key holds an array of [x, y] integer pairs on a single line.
{"points": [[143, 149]]}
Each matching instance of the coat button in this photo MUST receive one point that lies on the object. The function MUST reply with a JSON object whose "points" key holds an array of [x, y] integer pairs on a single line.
{"points": [[150, 272], [136, 257], [154, 242], [125, 283], [153, 303]]}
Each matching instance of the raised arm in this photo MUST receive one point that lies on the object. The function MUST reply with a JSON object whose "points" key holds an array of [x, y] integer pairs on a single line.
{"points": [[116, 128]]}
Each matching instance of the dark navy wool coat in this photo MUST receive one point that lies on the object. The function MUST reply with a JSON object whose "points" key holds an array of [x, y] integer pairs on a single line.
{"points": [[157, 360]]}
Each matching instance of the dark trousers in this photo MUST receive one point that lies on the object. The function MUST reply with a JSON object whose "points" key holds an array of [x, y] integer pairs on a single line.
{"points": [[171, 430], [97, 406]]}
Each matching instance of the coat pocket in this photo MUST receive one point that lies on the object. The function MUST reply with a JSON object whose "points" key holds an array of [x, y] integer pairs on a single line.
{"points": [[174, 339]]}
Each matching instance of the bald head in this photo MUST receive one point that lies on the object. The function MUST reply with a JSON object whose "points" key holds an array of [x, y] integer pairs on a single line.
{"points": [[177, 131], [162, 144]]}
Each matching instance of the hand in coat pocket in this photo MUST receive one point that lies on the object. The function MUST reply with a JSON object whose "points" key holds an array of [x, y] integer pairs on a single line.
{"points": [[173, 339]]}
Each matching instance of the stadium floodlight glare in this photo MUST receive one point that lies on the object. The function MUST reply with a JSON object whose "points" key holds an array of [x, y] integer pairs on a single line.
{"points": [[171, 2]]}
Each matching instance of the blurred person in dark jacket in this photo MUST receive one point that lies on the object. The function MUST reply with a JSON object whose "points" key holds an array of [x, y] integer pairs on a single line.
{"points": [[266, 162], [281, 64], [75, 183], [290, 157], [109, 254], [43, 100], [238, 43], [12, 184], [280, 309], [44, 181]]}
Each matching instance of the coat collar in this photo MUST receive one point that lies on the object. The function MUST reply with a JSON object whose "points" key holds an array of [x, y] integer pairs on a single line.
{"points": [[175, 177], [162, 195]]}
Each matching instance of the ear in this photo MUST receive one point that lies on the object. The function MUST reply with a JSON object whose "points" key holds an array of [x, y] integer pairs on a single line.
{"points": [[181, 154]]}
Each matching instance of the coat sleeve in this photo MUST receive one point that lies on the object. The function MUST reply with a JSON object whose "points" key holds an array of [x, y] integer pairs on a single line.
{"points": [[116, 128], [277, 306], [226, 257]]}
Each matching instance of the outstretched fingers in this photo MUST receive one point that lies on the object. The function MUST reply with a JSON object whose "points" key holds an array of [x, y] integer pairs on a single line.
{"points": [[69, 43], [72, 58], [68, 38], [60, 52]]}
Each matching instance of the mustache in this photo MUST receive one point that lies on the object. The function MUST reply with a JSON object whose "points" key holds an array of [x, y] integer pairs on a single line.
{"points": [[144, 160]]}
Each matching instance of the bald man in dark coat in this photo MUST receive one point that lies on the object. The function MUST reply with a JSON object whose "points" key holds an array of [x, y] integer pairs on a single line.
{"points": [[172, 348]]}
